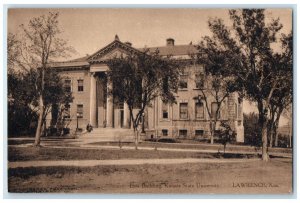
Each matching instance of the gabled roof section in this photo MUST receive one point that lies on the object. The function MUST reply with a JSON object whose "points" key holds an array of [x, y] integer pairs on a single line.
{"points": [[99, 56]]}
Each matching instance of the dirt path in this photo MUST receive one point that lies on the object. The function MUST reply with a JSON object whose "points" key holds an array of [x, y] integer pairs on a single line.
{"points": [[86, 163]]}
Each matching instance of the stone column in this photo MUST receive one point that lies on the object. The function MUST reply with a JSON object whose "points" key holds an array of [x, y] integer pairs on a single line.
{"points": [[93, 101], [126, 115], [109, 106]]}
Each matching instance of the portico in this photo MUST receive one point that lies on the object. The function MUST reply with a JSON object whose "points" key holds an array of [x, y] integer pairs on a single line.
{"points": [[105, 112]]}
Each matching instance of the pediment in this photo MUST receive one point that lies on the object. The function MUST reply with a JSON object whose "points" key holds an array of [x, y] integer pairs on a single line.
{"points": [[114, 49]]}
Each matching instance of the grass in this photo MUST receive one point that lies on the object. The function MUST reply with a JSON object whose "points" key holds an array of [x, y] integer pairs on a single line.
{"points": [[45, 153], [180, 178], [193, 145]]}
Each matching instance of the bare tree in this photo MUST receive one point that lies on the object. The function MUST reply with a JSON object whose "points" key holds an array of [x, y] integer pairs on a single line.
{"points": [[40, 44]]}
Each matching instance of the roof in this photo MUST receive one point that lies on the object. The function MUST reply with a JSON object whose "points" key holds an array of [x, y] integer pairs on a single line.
{"points": [[82, 61], [175, 50], [172, 50]]}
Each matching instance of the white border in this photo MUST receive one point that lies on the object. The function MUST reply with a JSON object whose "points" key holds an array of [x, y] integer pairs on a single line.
{"points": [[158, 3]]}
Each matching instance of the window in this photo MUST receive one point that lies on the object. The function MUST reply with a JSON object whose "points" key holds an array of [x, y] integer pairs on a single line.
{"points": [[67, 111], [183, 81], [199, 80], [183, 110], [199, 110], [199, 133], [214, 107], [182, 133], [80, 85], [68, 85], [164, 109], [164, 132], [79, 110]]}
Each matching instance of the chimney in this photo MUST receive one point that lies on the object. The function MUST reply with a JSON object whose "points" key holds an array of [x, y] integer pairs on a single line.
{"points": [[128, 43], [170, 42]]}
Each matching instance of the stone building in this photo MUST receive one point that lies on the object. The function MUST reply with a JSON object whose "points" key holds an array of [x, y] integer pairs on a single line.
{"points": [[86, 78]]}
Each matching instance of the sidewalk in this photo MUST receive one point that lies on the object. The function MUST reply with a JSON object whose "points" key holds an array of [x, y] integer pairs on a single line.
{"points": [[91, 163]]}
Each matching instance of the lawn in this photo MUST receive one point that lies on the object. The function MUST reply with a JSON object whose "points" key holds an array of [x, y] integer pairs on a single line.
{"points": [[196, 145], [238, 178], [245, 177], [47, 153]]}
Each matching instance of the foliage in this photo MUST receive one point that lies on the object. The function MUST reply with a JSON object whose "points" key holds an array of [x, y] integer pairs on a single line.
{"points": [[20, 114], [38, 44], [140, 78], [245, 52], [23, 99], [251, 129], [226, 134]]}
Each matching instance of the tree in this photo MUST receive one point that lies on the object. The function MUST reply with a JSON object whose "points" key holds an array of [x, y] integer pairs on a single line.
{"points": [[249, 58], [140, 78], [39, 45], [252, 132], [20, 114], [282, 98], [23, 98], [220, 84]]}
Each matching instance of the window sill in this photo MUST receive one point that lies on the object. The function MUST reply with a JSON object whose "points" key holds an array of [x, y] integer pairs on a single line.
{"points": [[165, 119]]}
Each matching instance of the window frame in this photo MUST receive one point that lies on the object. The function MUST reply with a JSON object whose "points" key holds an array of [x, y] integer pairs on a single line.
{"points": [[79, 114], [185, 75], [203, 112], [213, 114], [67, 111], [197, 80], [198, 130], [187, 111], [166, 105], [80, 86], [164, 132], [185, 135], [66, 86]]}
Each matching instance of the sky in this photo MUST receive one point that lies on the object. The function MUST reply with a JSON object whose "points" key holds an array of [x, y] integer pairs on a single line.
{"points": [[88, 30]]}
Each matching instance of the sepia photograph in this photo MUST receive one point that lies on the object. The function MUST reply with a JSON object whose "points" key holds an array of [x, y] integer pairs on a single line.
{"points": [[150, 100]]}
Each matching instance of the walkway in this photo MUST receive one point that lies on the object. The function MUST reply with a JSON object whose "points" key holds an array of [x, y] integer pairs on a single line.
{"points": [[91, 163]]}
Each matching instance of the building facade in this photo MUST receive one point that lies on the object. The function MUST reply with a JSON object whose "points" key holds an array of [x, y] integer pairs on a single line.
{"points": [[86, 78]]}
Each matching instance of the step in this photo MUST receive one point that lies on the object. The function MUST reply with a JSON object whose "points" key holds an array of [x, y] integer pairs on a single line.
{"points": [[108, 135]]}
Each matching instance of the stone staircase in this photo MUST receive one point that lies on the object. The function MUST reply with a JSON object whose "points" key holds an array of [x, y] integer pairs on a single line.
{"points": [[107, 135]]}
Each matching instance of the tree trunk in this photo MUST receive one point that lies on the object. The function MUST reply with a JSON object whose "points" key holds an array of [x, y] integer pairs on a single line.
{"points": [[271, 136], [40, 122], [136, 139], [212, 132], [276, 124], [263, 128], [212, 136], [265, 155]]}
